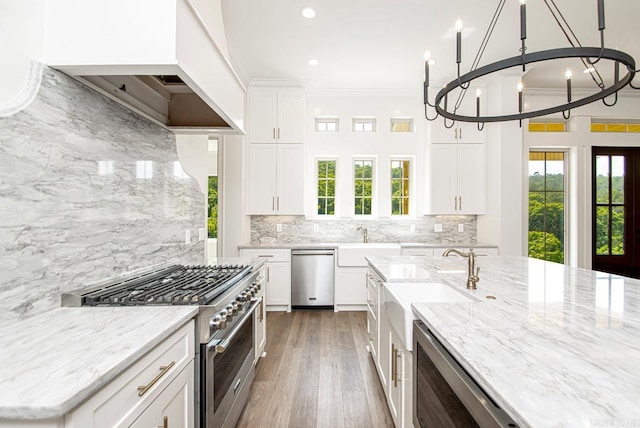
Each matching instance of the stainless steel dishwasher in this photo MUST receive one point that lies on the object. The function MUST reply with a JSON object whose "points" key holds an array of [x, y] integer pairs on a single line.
{"points": [[312, 278]]}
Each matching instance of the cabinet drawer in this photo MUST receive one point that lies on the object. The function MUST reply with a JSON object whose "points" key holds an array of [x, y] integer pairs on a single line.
{"points": [[121, 401], [272, 255]]}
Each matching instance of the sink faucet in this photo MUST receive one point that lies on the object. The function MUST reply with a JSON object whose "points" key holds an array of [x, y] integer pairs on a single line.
{"points": [[365, 234], [473, 278]]}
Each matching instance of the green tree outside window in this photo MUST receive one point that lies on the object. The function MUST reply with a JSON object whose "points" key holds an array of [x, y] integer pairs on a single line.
{"points": [[363, 186]]}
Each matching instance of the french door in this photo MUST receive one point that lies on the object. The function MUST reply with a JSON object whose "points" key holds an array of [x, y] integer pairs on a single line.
{"points": [[616, 210]]}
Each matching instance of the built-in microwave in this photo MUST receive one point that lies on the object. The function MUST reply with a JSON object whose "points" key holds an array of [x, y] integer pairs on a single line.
{"points": [[444, 395]]}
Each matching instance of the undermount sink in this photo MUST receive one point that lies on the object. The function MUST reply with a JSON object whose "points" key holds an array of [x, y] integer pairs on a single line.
{"points": [[353, 254], [398, 298]]}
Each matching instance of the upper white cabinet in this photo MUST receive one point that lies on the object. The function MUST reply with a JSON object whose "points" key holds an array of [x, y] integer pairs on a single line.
{"points": [[458, 178], [275, 180], [276, 115]]}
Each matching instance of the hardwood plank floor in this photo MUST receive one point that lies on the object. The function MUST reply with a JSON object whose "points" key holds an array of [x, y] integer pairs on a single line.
{"points": [[317, 373]]}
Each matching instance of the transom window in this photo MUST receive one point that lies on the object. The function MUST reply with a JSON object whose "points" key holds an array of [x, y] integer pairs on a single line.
{"points": [[399, 124], [400, 170], [326, 174], [363, 186], [364, 125], [327, 124]]}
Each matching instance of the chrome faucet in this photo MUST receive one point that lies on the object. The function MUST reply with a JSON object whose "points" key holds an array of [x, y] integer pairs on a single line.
{"points": [[365, 234], [473, 278]]}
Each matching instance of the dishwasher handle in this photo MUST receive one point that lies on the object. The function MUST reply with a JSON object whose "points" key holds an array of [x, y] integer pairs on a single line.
{"points": [[318, 252]]}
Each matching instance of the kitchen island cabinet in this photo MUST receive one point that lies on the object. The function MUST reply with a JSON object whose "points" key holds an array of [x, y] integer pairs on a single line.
{"points": [[552, 345], [85, 367], [277, 276]]}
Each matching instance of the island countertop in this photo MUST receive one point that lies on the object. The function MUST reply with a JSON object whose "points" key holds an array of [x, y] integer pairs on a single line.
{"points": [[557, 347], [52, 362]]}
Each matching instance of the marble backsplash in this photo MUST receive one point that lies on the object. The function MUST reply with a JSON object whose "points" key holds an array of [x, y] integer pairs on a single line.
{"points": [[297, 229], [88, 191]]}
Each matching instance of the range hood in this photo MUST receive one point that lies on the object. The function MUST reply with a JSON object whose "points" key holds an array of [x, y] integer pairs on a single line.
{"points": [[165, 99], [167, 60]]}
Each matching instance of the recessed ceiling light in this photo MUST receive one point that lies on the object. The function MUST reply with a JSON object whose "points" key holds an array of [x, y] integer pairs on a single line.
{"points": [[588, 70], [313, 61], [308, 13]]}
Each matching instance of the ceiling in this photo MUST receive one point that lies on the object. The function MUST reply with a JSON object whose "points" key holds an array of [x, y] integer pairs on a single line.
{"points": [[379, 44]]}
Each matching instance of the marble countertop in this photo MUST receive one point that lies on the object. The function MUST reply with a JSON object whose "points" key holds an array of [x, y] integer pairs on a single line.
{"points": [[558, 347], [52, 362], [292, 245]]}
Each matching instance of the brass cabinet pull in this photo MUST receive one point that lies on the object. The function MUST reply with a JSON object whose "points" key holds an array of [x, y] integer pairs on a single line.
{"points": [[393, 365], [166, 422], [163, 371], [278, 203], [273, 203], [274, 133], [264, 255], [268, 274], [278, 133], [460, 202]]}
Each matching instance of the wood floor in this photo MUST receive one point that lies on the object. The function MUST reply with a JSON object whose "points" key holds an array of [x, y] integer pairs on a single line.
{"points": [[317, 373]]}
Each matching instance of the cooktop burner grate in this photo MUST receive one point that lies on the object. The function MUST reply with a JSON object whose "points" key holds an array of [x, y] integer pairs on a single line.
{"points": [[175, 285]]}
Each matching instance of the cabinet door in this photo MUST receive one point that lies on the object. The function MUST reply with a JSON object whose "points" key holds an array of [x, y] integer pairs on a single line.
{"points": [[471, 179], [278, 283], [290, 179], [261, 328], [384, 348], [399, 383], [468, 133], [444, 164], [174, 407], [351, 286], [262, 115], [290, 124], [261, 186]]}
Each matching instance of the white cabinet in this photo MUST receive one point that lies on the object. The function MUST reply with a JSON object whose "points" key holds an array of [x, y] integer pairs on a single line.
{"points": [[158, 385], [372, 319], [350, 288], [276, 115], [275, 179], [277, 276], [461, 132], [399, 394], [260, 317], [458, 178]]}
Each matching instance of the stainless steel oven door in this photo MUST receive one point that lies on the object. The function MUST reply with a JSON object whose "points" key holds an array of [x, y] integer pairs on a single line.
{"points": [[444, 395], [227, 371]]}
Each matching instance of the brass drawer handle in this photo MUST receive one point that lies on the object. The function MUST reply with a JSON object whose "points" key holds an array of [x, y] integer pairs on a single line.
{"points": [[166, 422], [163, 371]]}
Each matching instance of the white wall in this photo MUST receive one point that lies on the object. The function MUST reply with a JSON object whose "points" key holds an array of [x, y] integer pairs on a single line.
{"points": [[236, 227], [381, 145]]}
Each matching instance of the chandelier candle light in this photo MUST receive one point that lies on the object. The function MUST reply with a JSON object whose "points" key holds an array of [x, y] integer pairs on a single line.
{"points": [[589, 56]]}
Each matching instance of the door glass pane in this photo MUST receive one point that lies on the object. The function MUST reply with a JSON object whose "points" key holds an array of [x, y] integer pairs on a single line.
{"points": [[602, 230], [536, 171], [617, 179], [554, 174], [602, 179], [617, 230]]}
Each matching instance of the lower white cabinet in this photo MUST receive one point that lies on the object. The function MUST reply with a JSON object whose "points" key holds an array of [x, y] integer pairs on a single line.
{"points": [[159, 385], [399, 394], [277, 276], [350, 288]]}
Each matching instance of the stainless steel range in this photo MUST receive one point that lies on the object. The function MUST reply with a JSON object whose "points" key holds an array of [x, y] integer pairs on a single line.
{"points": [[227, 296]]}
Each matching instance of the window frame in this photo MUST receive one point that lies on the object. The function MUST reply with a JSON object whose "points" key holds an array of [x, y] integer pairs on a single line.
{"points": [[566, 197], [374, 190], [398, 119], [363, 120], [411, 180], [316, 160], [325, 120]]}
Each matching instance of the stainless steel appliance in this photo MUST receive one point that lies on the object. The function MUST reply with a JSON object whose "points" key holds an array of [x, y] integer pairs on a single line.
{"points": [[444, 395], [227, 296], [312, 278]]}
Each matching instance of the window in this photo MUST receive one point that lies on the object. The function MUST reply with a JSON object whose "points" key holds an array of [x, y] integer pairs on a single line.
{"points": [[547, 127], [399, 124], [610, 205], [105, 167], [212, 209], [178, 172], [364, 125], [400, 170], [601, 126], [547, 205], [363, 186], [327, 124], [326, 174]]}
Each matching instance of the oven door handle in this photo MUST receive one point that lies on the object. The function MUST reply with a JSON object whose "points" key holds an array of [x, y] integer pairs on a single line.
{"points": [[221, 345]]}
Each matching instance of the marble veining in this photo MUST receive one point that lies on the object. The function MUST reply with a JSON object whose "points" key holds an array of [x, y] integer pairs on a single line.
{"points": [[558, 347], [52, 362], [88, 191], [298, 229]]}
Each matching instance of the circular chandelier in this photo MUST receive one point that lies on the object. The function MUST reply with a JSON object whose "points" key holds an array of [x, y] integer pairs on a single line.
{"points": [[589, 56]]}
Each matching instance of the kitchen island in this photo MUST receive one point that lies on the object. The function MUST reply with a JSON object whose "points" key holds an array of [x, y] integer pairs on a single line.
{"points": [[554, 346]]}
